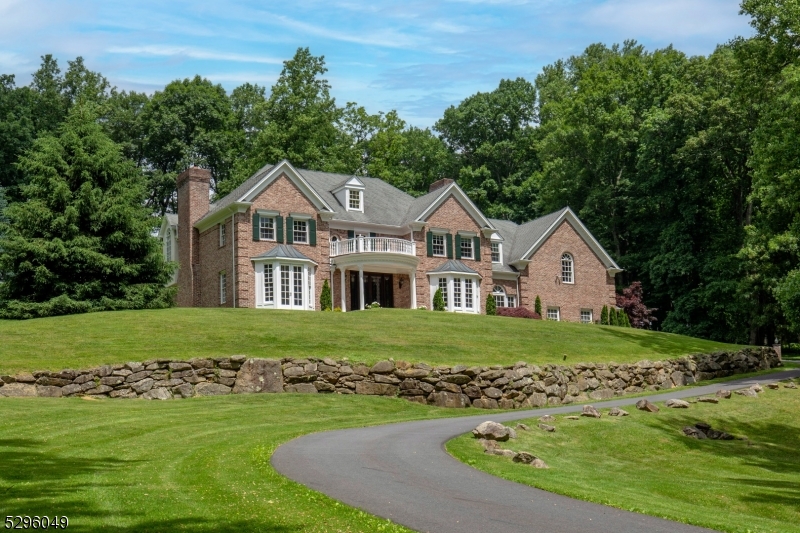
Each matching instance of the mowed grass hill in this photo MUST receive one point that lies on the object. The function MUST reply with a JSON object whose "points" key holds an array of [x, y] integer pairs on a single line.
{"points": [[84, 341]]}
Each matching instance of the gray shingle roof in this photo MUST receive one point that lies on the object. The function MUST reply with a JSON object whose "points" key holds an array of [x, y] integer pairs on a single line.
{"points": [[283, 251], [172, 220], [453, 266]]}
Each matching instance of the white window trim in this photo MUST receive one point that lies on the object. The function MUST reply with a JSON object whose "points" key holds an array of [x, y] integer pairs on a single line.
{"points": [[223, 287], [360, 207], [557, 313], [511, 301], [591, 316], [222, 235], [261, 219], [450, 304], [499, 252], [308, 284], [294, 236], [444, 244], [471, 247], [571, 268]]}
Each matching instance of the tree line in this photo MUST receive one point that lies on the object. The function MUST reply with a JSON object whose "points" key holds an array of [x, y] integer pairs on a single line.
{"points": [[686, 168]]}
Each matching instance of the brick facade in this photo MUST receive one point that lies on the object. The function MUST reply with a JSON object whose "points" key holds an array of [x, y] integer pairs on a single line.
{"points": [[202, 258], [593, 287]]}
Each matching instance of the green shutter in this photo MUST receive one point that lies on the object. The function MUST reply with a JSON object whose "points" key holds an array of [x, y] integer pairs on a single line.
{"points": [[289, 230], [458, 246], [430, 244], [279, 229], [351, 234], [312, 232], [449, 246], [256, 227], [476, 245]]}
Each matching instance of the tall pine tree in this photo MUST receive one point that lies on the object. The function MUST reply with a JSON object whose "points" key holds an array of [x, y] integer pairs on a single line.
{"points": [[81, 239]]}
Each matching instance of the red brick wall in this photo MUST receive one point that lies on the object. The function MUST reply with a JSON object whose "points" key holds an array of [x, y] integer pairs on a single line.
{"points": [[193, 188], [453, 216], [593, 287], [215, 259]]}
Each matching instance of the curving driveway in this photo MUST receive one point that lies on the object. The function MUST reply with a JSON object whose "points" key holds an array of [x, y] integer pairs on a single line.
{"points": [[402, 472]]}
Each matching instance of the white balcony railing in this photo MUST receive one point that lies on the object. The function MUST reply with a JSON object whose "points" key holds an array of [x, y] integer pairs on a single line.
{"points": [[360, 245]]}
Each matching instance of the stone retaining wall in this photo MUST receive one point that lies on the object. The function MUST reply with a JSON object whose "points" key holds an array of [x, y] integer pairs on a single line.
{"points": [[489, 387]]}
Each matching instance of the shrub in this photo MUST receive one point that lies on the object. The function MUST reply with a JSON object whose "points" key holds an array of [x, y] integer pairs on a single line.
{"points": [[613, 317], [632, 301], [337, 309], [491, 306], [438, 300], [422, 308], [325, 299], [373, 305], [604, 316], [537, 306], [518, 312]]}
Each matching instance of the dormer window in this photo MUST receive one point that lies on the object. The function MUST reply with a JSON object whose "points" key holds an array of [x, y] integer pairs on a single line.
{"points": [[354, 200], [496, 252]]}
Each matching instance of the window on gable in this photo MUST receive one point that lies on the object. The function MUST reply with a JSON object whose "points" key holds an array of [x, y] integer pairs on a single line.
{"points": [[301, 231], [466, 247], [567, 270], [222, 234], [267, 228], [438, 245], [496, 252], [354, 199]]}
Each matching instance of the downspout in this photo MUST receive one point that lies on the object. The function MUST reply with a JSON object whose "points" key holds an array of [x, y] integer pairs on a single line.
{"points": [[233, 255], [519, 296]]}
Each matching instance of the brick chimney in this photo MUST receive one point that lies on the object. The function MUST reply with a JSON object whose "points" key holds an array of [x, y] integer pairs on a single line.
{"points": [[444, 182], [194, 185]]}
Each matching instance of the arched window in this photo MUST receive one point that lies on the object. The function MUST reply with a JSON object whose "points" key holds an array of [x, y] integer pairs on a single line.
{"points": [[334, 239], [567, 269], [499, 294]]}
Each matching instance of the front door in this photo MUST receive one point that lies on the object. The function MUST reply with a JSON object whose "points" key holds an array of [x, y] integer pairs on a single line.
{"points": [[377, 288]]}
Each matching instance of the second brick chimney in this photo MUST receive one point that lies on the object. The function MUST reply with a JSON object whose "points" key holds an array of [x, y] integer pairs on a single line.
{"points": [[444, 182], [194, 186]]}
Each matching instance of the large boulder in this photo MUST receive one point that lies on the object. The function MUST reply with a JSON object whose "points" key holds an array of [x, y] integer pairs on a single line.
{"points": [[157, 393], [48, 391], [449, 399], [211, 389], [723, 393], [18, 389], [382, 367], [492, 431], [677, 404], [259, 375], [589, 410], [645, 405], [616, 411]]}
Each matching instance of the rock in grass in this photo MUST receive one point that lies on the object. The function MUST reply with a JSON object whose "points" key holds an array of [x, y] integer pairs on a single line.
{"points": [[547, 419], [492, 431], [502, 453], [757, 388], [488, 444], [159, 393], [523, 427], [790, 385], [723, 393], [694, 433], [677, 404], [708, 399], [572, 418], [616, 411], [524, 458], [645, 405], [749, 393], [538, 463], [545, 427], [773, 386], [718, 435], [589, 410]]}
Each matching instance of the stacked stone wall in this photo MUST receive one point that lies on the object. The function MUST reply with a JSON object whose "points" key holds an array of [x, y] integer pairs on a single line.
{"points": [[521, 385]]}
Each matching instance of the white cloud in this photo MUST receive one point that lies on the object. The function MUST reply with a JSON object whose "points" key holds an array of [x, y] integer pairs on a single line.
{"points": [[385, 38], [193, 53]]}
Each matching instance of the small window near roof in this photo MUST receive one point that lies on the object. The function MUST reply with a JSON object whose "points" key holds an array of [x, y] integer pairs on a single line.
{"points": [[466, 248], [567, 270], [496, 252], [300, 231], [354, 199], [438, 245], [267, 228]]}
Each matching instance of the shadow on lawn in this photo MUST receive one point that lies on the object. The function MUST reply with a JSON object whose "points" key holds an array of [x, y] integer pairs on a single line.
{"points": [[37, 482], [665, 344]]}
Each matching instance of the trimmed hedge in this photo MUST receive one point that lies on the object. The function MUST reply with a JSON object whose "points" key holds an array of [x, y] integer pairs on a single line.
{"points": [[518, 312]]}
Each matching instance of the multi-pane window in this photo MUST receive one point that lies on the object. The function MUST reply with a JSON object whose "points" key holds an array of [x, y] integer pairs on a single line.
{"points": [[286, 288], [499, 294], [496, 252], [169, 245], [298, 286], [222, 234], [300, 231], [223, 287], [438, 245], [567, 271], [267, 229], [512, 301], [466, 247], [586, 316], [457, 292], [354, 199], [553, 314], [269, 284], [468, 293], [443, 286]]}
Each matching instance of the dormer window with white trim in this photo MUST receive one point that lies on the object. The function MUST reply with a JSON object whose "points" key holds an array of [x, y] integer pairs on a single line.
{"points": [[496, 253], [350, 194], [354, 200]]}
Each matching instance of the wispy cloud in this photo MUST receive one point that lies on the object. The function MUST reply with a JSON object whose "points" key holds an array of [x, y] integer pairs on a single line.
{"points": [[388, 38], [193, 53]]}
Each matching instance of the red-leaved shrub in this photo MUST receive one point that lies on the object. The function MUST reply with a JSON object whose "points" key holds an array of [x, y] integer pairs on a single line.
{"points": [[518, 312]]}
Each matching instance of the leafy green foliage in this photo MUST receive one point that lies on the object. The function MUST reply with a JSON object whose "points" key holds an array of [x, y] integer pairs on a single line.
{"points": [[438, 300], [537, 305], [604, 316], [325, 299], [491, 305], [81, 239]]}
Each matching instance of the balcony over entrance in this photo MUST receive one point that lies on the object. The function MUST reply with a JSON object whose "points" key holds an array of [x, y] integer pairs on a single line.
{"points": [[385, 245]]}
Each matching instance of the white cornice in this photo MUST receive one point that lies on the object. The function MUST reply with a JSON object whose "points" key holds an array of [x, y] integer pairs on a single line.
{"points": [[218, 216]]}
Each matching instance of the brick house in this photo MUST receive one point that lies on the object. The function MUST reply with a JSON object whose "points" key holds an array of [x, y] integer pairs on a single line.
{"points": [[273, 241]]}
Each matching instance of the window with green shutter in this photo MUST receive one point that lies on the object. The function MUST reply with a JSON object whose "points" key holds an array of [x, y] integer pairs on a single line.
{"points": [[449, 246], [429, 239], [256, 227], [312, 232], [351, 234], [476, 248], [279, 228], [458, 246], [289, 230]]}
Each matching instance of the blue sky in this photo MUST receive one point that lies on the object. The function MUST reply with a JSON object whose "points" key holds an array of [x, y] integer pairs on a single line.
{"points": [[418, 57]]}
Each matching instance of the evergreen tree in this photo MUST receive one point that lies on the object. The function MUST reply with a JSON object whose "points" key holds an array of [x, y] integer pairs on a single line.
{"points": [[438, 300], [604, 316], [537, 306], [612, 317], [325, 300], [81, 239], [491, 305]]}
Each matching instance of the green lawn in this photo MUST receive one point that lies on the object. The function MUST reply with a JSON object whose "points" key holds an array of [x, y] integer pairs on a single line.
{"points": [[644, 463], [190, 465], [81, 341]]}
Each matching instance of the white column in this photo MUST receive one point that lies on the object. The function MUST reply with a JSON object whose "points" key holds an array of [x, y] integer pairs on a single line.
{"points": [[450, 293], [344, 303], [413, 289], [361, 284]]}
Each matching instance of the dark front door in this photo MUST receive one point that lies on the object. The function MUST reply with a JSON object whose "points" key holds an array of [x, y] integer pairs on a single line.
{"points": [[377, 288]]}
